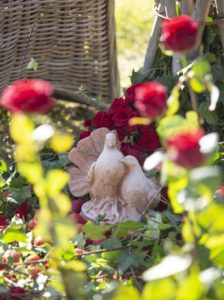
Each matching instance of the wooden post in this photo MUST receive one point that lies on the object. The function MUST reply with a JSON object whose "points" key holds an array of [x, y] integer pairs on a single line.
{"points": [[187, 7], [200, 14], [220, 12], [154, 40]]}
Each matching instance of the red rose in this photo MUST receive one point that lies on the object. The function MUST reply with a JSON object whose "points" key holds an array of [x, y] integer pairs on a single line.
{"points": [[117, 104], [102, 119], [3, 221], [184, 149], [22, 211], [28, 96], [150, 98], [148, 140], [84, 134], [122, 116], [130, 93], [87, 123], [179, 33], [129, 149]]}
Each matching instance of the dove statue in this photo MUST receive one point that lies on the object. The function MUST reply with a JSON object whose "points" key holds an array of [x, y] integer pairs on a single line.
{"points": [[118, 187]]}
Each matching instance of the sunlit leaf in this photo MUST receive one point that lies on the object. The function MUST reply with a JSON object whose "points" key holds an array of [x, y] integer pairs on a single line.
{"points": [[56, 180], [32, 65], [169, 266], [13, 236], [61, 142], [21, 129], [32, 171], [214, 93], [164, 289], [95, 232], [173, 103], [123, 229]]}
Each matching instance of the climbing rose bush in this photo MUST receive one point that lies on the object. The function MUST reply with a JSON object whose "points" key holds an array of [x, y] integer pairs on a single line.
{"points": [[184, 148], [179, 33], [28, 96]]}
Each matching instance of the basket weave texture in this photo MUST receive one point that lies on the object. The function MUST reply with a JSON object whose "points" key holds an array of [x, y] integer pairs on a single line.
{"points": [[73, 42]]}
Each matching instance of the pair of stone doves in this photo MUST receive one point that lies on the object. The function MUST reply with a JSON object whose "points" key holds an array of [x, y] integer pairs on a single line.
{"points": [[117, 185]]}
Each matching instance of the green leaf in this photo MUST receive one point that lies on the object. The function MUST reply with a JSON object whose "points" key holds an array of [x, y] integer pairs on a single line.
{"points": [[112, 243], [210, 117], [123, 229], [160, 290], [209, 177], [56, 180], [32, 65], [126, 292], [3, 166], [95, 232], [32, 171], [13, 236]]}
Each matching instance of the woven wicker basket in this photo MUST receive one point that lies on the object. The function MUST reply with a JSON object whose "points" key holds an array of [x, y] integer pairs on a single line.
{"points": [[73, 42]]}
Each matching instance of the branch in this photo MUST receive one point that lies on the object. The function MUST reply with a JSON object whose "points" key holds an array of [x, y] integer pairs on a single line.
{"points": [[200, 14], [220, 12], [63, 94], [154, 40]]}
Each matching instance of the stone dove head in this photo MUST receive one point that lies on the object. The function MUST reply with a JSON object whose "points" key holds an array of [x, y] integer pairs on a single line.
{"points": [[111, 140], [131, 162]]}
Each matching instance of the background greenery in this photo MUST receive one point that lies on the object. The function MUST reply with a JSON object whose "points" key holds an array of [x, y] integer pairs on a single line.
{"points": [[134, 19]]}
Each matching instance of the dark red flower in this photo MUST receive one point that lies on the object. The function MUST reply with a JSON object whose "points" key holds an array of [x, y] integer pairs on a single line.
{"points": [[117, 104], [23, 210], [84, 134], [16, 290], [184, 148], [87, 123], [149, 98], [122, 116], [130, 149], [28, 96], [102, 119], [3, 221], [179, 33], [148, 140]]}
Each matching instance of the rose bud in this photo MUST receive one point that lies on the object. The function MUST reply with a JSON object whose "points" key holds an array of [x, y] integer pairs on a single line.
{"points": [[28, 96], [76, 205], [184, 149], [179, 33], [34, 272]]}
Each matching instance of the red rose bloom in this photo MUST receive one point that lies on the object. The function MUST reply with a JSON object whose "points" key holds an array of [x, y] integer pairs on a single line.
{"points": [[23, 210], [179, 33], [184, 149], [84, 134], [130, 93], [122, 116], [87, 123], [117, 104], [129, 149], [102, 119], [150, 99], [28, 96], [148, 140]]}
